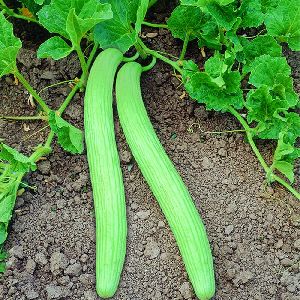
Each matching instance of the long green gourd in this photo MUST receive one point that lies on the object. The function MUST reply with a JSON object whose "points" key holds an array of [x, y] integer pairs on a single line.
{"points": [[105, 173], [164, 181]]}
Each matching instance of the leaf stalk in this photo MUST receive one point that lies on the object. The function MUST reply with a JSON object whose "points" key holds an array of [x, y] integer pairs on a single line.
{"points": [[30, 89], [266, 168]]}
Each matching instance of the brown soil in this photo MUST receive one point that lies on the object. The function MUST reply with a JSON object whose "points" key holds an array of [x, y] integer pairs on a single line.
{"points": [[254, 230]]}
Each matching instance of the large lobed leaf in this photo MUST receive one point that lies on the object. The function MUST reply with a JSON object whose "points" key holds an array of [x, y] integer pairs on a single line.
{"points": [[71, 20], [9, 47], [217, 93], [283, 22], [192, 21], [119, 32]]}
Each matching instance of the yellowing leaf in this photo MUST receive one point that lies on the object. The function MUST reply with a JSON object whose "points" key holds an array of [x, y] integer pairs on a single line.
{"points": [[26, 12]]}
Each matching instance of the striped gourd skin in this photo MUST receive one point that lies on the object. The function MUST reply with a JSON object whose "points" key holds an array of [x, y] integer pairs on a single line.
{"points": [[105, 173], [164, 181]]}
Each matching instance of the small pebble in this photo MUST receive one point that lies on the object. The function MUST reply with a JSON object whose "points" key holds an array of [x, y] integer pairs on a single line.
{"points": [[151, 250], [297, 244], [144, 214], [229, 229]]}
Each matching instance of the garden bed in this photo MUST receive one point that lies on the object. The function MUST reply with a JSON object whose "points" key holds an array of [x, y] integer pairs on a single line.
{"points": [[254, 229]]}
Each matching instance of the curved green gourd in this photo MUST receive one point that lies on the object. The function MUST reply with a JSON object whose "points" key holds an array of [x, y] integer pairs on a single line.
{"points": [[105, 173], [164, 181]]}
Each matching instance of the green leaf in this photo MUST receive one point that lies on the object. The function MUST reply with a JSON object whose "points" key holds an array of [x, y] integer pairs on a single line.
{"points": [[225, 15], [289, 124], [3, 255], [286, 168], [276, 76], [265, 69], [267, 5], [215, 66], [203, 3], [262, 106], [118, 31], [2, 267], [140, 16], [73, 19], [91, 14], [202, 88], [284, 157], [6, 207], [251, 13], [283, 22], [186, 20], [283, 88], [20, 162], [55, 48], [257, 47], [54, 16], [3, 233], [233, 37], [197, 24], [69, 137], [210, 35], [9, 47]]}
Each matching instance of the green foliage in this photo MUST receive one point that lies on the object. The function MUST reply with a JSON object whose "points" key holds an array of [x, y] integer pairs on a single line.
{"points": [[34, 6], [118, 32], [19, 161], [71, 20], [251, 13], [284, 157], [9, 47], [69, 137], [13, 166], [54, 47], [3, 257], [218, 86], [191, 21], [283, 22], [261, 45], [247, 74], [255, 63]]}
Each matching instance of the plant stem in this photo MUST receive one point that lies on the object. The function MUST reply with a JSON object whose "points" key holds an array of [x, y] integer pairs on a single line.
{"points": [[225, 131], [287, 186], [184, 47], [151, 3], [30, 89], [222, 37], [159, 56], [69, 98], [24, 118], [34, 133], [151, 65], [24, 18], [55, 84], [83, 63], [42, 150], [258, 34], [155, 25], [140, 50], [49, 139], [92, 54], [250, 138], [259, 156], [81, 81], [11, 13], [132, 58]]}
